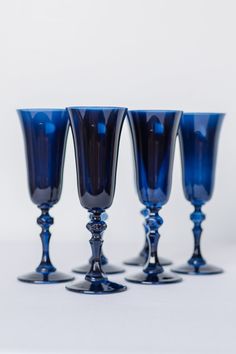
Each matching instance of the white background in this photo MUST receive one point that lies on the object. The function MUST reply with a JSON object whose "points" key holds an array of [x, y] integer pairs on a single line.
{"points": [[139, 54]]}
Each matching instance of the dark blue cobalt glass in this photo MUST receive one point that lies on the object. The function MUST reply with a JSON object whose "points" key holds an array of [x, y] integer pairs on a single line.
{"points": [[45, 134], [154, 135], [96, 133], [198, 137], [142, 257]]}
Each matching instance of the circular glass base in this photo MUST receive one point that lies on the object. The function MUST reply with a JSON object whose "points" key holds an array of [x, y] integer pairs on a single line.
{"points": [[156, 279], [141, 260], [45, 278], [205, 269], [107, 269], [97, 288]]}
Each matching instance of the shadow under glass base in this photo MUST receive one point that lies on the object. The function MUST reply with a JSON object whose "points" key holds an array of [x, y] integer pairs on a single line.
{"points": [[45, 278], [141, 260], [153, 279], [96, 288], [107, 269], [205, 269]]}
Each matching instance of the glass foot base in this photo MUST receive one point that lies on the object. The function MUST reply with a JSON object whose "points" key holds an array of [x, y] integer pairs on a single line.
{"points": [[140, 261], [205, 269], [107, 269], [45, 278], [156, 279], [98, 288]]}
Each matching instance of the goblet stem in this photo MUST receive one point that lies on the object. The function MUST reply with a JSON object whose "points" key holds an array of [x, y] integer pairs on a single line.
{"points": [[104, 259], [95, 281], [106, 266], [197, 265], [96, 226], [142, 257], [153, 222], [145, 250], [45, 221], [197, 218], [153, 272]]}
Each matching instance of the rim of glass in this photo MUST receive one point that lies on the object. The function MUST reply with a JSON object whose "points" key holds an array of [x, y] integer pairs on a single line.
{"points": [[96, 107], [40, 109], [155, 110], [203, 113]]}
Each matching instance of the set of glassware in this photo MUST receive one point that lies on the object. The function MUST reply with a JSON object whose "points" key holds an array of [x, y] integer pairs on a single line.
{"points": [[96, 135]]}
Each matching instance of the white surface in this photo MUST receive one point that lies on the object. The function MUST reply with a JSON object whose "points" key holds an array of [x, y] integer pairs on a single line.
{"points": [[140, 54], [195, 316]]}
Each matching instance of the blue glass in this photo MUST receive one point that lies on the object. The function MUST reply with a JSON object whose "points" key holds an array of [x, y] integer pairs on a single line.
{"points": [[96, 133], [142, 257], [45, 134], [198, 137], [154, 135]]}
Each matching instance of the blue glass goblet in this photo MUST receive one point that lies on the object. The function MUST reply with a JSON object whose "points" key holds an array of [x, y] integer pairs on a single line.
{"points": [[154, 135], [45, 134], [198, 137], [142, 257], [96, 133]]}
